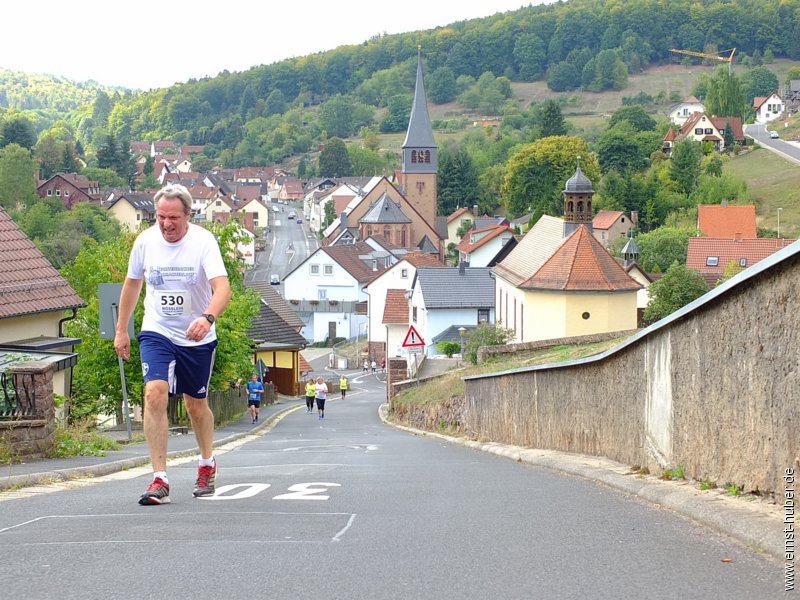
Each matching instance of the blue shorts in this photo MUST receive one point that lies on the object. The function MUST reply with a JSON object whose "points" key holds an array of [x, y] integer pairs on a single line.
{"points": [[187, 369]]}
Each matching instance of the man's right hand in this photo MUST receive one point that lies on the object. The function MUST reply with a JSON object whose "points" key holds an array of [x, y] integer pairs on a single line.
{"points": [[122, 345]]}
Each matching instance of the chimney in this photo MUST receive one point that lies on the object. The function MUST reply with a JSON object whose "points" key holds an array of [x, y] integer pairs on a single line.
{"points": [[342, 220], [462, 266], [635, 217], [475, 210], [737, 237], [724, 203]]}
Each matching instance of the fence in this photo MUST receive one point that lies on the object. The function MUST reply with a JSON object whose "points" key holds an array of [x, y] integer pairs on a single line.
{"points": [[17, 397], [227, 405]]}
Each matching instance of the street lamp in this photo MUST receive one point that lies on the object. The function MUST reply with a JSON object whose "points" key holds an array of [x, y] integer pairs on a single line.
{"points": [[779, 223], [461, 331]]}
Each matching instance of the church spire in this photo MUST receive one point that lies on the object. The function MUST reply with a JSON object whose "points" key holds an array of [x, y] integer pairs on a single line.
{"points": [[420, 133]]}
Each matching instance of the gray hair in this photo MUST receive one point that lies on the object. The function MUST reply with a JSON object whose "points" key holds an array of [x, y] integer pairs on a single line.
{"points": [[175, 190]]}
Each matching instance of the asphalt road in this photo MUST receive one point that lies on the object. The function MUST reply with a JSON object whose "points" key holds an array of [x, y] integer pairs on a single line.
{"points": [[348, 507], [288, 244], [760, 133]]}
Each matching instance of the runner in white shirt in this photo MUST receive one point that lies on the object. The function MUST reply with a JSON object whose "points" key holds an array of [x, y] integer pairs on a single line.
{"points": [[187, 290]]}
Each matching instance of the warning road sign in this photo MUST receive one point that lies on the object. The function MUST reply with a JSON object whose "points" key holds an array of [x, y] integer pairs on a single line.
{"points": [[413, 338]]}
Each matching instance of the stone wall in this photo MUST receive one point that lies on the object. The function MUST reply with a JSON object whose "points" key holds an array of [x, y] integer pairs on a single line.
{"points": [[713, 388], [485, 352], [34, 435]]}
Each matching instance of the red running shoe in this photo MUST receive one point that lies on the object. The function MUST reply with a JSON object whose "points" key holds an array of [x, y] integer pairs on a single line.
{"points": [[206, 477], [157, 493]]}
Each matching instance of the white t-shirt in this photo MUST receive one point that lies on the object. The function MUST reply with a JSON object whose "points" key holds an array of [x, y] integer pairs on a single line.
{"points": [[321, 390], [176, 279]]}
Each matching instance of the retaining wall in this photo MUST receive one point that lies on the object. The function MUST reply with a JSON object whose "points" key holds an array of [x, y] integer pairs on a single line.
{"points": [[713, 387]]}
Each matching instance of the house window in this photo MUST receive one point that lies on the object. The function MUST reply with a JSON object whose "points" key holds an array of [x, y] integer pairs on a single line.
{"points": [[413, 156], [66, 192], [314, 269], [585, 316], [322, 294], [742, 262], [414, 314], [712, 261], [138, 217], [709, 131], [404, 273], [58, 192], [328, 269], [49, 192], [698, 131], [218, 203], [483, 315]]}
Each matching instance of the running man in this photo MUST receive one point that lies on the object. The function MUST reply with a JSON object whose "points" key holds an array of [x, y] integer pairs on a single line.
{"points": [[187, 290], [255, 389], [343, 386]]}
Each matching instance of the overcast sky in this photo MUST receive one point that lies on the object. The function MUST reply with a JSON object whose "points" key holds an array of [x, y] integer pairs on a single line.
{"points": [[148, 45]]}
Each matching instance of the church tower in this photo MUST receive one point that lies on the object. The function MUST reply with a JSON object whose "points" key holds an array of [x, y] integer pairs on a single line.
{"points": [[578, 194], [420, 155]]}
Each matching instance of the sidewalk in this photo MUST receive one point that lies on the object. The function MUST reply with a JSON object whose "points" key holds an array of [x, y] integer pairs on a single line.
{"points": [[48, 470]]}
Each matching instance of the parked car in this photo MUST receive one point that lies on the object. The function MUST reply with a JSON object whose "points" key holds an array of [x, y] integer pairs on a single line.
{"points": [[292, 215], [299, 220], [774, 135], [274, 280]]}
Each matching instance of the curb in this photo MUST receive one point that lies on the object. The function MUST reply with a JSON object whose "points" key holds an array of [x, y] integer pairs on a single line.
{"points": [[98, 470], [759, 528]]}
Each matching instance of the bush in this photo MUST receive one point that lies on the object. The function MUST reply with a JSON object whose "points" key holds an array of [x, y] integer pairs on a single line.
{"points": [[485, 335], [448, 348]]}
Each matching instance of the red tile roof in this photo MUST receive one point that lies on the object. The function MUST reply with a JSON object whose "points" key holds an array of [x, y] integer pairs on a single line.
{"points": [[581, 264], [606, 218], [726, 251], [718, 221], [395, 310], [736, 126], [457, 213], [670, 137], [494, 231], [347, 257], [29, 284], [758, 101]]}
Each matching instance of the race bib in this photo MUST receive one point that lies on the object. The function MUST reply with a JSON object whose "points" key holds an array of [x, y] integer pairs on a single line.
{"points": [[174, 303]]}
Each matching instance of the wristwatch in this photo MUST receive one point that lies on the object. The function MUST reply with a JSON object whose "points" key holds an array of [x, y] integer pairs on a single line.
{"points": [[209, 317]]}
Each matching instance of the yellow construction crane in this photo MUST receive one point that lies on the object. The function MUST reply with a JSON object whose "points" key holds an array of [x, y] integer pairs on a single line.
{"points": [[716, 57]]}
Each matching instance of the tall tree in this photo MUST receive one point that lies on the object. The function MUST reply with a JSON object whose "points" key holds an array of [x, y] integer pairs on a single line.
{"points": [[19, 131], [457, 183], [685, 165], [441, 85], [334, 161], [552, 120], [17, 177], [536, 174], [725, 97]]}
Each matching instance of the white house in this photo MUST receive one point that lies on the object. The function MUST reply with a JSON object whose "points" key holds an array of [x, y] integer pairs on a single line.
{"points": [[768, 108], [387, 300], [479, 246], [679, 113], [326, 286], [447, 297]]}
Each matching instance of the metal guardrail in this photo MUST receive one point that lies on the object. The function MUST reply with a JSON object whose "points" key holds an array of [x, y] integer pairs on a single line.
{"points": [[17, 397]]}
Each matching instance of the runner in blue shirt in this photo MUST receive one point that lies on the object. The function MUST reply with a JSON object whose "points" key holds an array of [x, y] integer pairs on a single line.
{"points": [[254, 391]]}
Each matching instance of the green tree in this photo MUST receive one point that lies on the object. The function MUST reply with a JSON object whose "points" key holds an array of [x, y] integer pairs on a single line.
{"points": [[441, 85], [536, 174], [530, 54], [634, 114], [19, 131], [662, 247], [677, 288], [759, 81], [105, 177], [329, 216], [275, 103], [685, 165], [17, 177], [563, 77], [457, 183], [552, 120], [485, 334], [397, 114], [448, 348], [334, 160], [726, 97], [365, 162]]}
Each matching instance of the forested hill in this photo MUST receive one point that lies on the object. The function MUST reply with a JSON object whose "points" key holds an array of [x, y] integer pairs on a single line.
{"points": [[48, 96], [271, 112], [585, 42]]}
